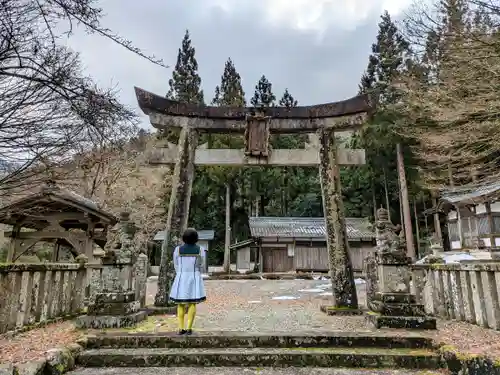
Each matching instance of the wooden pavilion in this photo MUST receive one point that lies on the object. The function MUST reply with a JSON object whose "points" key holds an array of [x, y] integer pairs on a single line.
{"points": [[58, 216]]}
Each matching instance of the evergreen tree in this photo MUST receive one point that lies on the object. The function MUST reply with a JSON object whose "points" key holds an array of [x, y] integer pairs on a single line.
{"points": [[287, 100], [386, 62], [185, 84], [389, 58], [263, 96], [230, 92], [185, 88], [210, 182]]}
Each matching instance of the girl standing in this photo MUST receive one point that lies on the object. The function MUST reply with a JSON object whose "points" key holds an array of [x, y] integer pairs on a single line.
{"points": [[187, 288]]}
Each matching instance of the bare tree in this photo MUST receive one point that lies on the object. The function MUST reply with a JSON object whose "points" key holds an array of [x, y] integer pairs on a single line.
{"points": [[120, 179], [48, 107], [451, 97]]}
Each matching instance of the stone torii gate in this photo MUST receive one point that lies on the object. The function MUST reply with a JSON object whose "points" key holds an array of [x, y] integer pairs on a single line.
{"points": [[321, 122]]}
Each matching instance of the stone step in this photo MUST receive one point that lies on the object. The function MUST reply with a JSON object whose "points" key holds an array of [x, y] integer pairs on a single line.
{"points": [[249, 340], [262, 357], [246, 371]]}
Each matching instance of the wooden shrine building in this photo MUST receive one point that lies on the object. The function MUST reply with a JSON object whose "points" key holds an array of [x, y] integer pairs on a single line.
{"points": [[472, 218], [288, 244], [58, 216]]}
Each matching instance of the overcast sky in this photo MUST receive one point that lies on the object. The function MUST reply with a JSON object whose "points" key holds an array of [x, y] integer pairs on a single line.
{"points": [[316, 48]]}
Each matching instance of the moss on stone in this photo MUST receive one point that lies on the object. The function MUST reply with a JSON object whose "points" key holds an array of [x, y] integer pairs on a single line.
{"points": [[459, 362]]}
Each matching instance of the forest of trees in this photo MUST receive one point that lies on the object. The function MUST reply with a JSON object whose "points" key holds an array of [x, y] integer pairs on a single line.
{"points": [[420, 71]]}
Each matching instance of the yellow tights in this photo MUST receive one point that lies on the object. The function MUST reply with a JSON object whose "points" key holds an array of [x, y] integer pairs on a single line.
{"points": [[191, 313]]}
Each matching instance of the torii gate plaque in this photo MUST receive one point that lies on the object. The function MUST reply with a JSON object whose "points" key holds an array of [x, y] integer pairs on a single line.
{"points": [[319, 121]]}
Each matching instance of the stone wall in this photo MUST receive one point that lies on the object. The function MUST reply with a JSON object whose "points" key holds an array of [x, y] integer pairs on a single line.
{"points": [[465, 292]]}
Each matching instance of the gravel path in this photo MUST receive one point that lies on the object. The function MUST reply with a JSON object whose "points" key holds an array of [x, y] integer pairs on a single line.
{"points": [[269, 305], [243, 371]]}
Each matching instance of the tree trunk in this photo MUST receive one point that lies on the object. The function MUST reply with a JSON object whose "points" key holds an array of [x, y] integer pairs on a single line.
{"points": [[417, 227], [386, 190], [227, 241], [262, 204], [374, 200], [410, 246]]}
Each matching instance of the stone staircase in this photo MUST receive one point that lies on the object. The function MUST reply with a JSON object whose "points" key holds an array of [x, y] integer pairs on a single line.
{"points": [[236, 349]]}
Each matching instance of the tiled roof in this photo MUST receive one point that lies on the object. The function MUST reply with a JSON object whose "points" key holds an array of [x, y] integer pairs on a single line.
{"points": [[471, 194], [306, 227], [204, 235], [242, 244]]}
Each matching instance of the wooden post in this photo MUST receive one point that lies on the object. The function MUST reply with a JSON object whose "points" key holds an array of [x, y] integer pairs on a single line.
{"points": [[410, 246], [417, 227], [14, 242], [341, 272], [491, 224], [227, 241], [178, 211], [437, 222]]}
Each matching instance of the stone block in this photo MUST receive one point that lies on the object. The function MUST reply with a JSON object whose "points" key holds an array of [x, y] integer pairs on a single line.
{"points": [[340, 311], [395, 297], [6, 369], [161, 310], [124, 297], [393, 279], [407, 322], [370, 270], [31, 368], [219, 339], [118, 308], [402, 309], [59, 361], [108, 321], [392, 259]]}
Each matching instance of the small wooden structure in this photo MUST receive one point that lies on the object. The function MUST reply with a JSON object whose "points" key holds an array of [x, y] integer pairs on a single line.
{"points": [[320, 122], [299, 244], [473, 217], [59, 216]]}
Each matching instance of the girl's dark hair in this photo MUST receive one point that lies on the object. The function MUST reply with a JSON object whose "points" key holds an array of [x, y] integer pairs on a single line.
{"points": [[190, 236]]}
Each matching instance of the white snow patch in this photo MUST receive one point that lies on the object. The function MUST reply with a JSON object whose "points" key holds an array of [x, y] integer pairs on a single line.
{"points": [[451, 258], [359, 281], [326, 294], [254, 301], [285, 297], [324, 286], [311, 290]]}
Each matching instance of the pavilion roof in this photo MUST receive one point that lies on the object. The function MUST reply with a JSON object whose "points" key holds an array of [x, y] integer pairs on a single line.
{"points": [[52, 199]]}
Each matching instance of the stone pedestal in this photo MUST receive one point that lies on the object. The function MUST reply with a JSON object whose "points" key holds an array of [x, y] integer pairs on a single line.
{"points": [[116, 303], [394, 306]]}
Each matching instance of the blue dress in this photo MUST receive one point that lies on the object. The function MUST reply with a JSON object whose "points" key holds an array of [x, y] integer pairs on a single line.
{"points": [[188, 283]]}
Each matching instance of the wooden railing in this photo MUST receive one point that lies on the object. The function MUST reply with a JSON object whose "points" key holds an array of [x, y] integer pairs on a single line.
{"points": [[465, 292], [38, 293]]}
